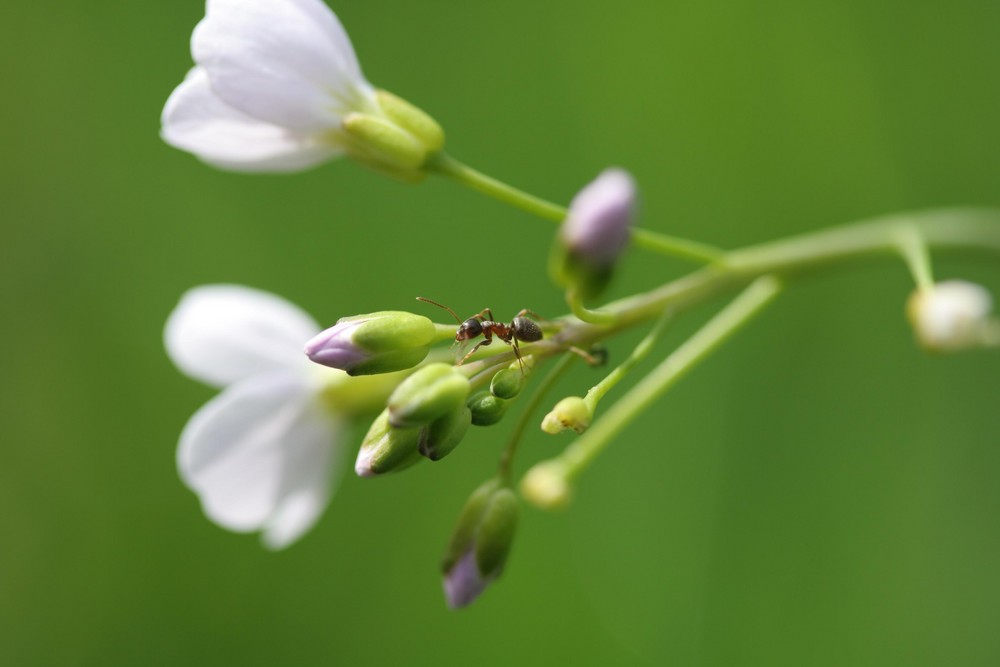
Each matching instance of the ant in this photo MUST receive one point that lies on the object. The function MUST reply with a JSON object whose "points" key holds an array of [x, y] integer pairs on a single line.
{"points": [[520, 329]]}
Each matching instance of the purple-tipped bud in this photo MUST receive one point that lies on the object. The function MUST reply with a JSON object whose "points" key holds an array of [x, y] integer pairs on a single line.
{"points": [[386, 449], [600, 216], [595, 233], [478, 549], [376, 343]]}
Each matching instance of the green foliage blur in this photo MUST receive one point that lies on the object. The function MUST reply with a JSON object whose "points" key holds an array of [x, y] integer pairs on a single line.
{"points": [[818, 493]]}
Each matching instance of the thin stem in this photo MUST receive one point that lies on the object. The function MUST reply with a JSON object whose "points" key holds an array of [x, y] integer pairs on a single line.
{"points": [[476, 180], [577, 456], [507, 458], [598, 391], [790, 258], [916, 255], [663, 244], [575, 303], [675, 246]]}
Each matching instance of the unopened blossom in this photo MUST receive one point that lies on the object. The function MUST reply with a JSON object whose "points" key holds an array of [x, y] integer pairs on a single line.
{"points": [[480, 543], [595, 233], [277, 87], [600, 216], [262, 454], [375, 343], [951, 316]]}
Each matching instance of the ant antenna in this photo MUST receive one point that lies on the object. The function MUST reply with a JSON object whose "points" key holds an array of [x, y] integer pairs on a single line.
{"points": [[440, 305]]}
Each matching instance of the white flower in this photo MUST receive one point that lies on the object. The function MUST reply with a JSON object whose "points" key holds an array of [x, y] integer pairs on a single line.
{"points": [[277, 87], [261, 454], [952, 316]]}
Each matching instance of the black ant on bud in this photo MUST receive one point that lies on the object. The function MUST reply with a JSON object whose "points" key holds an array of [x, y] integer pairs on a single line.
{"points": [[520, 329]]}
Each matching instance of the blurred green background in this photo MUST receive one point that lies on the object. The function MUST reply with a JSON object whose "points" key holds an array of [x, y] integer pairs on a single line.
{"points": [[818, 493]]}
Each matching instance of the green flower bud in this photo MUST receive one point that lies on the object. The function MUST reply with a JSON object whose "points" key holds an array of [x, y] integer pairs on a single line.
{"points": [[480, 543], [386, 449], [441, 436], [486, 408], [379, 342], [431, 392], [507, 383], [571, 412]]}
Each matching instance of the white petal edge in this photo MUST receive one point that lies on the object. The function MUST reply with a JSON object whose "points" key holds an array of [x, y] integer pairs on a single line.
{"points": [[220, 334], [259, 457], [196, 120], [285, 62]]}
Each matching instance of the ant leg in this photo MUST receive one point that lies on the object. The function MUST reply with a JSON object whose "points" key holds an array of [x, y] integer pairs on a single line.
{"points": [[473, 351], [593, 360], [526, 311], [485, 313], [517, 353]]}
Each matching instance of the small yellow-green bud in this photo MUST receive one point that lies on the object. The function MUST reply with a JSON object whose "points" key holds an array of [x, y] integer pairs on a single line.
{"points": [[507, 383], [480, 543], [571, 412], [379, 342], [431, 392], [412, 119], [486, 408], [546, 486], [386, 449], [441, 436]]}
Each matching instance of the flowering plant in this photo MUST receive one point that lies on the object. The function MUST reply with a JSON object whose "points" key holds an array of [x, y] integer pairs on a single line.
{"points": [[277, 87]]}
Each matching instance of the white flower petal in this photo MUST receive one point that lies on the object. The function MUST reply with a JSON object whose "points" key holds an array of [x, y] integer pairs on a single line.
{"points": [[220, 334], [285, 62], [258, 455], [196, 120]]}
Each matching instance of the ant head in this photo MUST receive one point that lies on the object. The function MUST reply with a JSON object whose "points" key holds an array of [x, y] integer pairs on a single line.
{"points": [[470, 329]]}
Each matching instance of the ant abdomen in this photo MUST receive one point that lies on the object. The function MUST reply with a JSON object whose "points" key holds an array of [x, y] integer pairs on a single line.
{"points": [[526, 329]]}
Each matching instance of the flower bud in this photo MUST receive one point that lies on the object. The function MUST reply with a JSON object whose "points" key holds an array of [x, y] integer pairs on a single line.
{"points": [[951, 316], [379, 342], [594, 234], [386, 449], [571, 412], [431, 392], [545, 486], [486, 408], [441, 436], [480, 543], [507, 383]]}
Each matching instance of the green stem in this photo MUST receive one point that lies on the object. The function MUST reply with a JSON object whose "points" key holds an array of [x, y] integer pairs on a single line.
{"points": [[507, 458], [598, 391], [476, 180], [663, 244], [917, 256], [575, 303], [577, 456], [789, 259]]}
